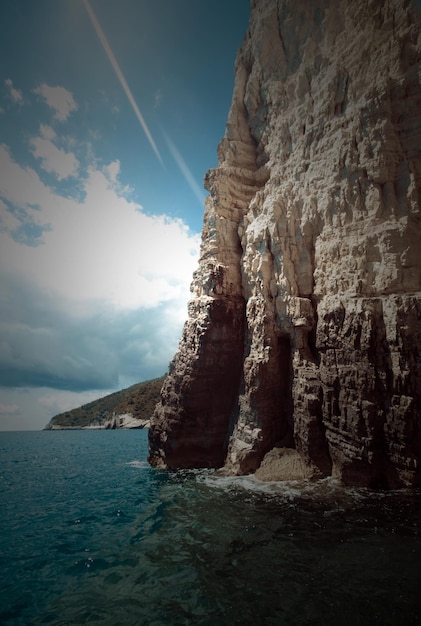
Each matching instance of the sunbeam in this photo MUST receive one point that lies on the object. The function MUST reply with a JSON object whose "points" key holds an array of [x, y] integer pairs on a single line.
{"points": [[120, 77]]}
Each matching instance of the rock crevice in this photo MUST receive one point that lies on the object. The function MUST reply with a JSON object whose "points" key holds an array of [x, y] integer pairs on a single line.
{"points": [[304, 325]]}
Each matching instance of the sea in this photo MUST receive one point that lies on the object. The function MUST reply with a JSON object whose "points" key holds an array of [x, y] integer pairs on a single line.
{"points": [[91, 534]]}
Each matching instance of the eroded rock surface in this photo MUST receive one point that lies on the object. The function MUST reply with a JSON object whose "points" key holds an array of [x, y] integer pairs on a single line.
{"points": [[304, 327]]}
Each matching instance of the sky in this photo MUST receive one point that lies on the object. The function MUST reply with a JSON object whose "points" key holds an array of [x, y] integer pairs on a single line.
{"points": [[110, 115]]}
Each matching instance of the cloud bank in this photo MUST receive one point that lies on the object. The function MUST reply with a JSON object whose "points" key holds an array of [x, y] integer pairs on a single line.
{"points": [[93, 289]]}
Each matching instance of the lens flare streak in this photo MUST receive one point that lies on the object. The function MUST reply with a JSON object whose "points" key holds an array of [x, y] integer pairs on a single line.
{"points": [[121, 77], [188, 176]]}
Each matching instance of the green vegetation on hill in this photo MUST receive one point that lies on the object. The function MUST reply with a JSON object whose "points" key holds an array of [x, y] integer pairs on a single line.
{"points": [[139, 400]]}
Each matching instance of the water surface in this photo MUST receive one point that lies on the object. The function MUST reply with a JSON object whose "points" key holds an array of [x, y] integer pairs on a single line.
{"points": [[89, 533]]}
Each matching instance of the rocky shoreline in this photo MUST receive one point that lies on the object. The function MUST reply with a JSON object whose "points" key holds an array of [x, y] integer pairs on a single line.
{"points": [[125, 421], [304, 327]]}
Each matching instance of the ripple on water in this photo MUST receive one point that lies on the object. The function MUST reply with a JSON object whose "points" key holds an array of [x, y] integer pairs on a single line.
{"points": [[123, 543]]}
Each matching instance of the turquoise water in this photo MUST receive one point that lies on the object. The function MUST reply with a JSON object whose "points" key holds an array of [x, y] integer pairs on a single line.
{"points": [[90, 534]]}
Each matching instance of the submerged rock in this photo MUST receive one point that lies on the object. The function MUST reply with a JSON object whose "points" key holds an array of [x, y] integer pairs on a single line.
{"points": [[304, 328]]}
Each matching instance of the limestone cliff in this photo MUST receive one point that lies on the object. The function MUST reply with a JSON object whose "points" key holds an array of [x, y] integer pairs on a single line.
{"points": [[304, 328]]}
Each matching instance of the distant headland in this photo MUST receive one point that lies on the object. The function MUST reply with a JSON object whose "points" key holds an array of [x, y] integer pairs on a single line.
{"points": [[129, 408]]}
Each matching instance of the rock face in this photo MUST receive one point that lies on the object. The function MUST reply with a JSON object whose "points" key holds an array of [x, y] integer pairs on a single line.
{"points": [[304, 328]]}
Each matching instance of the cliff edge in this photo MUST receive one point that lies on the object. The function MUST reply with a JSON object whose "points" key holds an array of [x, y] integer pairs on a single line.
{"points": [[303, 338]]}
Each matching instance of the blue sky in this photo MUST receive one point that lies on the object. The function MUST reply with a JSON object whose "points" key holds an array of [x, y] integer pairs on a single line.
{"points": [[110, 116]]}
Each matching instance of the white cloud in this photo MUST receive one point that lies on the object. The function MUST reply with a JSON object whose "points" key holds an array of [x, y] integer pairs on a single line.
{"points": [[59, 99], [112, 171], [46, 343], [102, 249], [15, 94], [8, 222], [22, 187], [53, 159], [46, 132], [9, 409], [32, 201], [93, 291], [100, 302]]}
